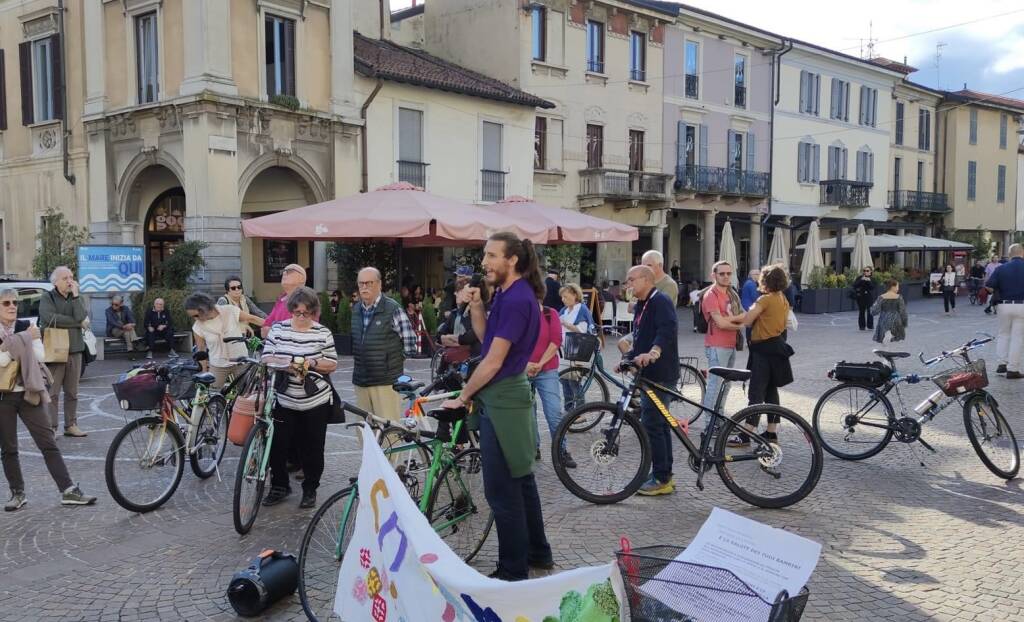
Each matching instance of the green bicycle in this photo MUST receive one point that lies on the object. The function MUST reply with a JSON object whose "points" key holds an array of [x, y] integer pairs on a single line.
{"points": [[441, 470]]}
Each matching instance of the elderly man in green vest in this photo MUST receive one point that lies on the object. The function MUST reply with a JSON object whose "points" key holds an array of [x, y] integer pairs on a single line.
{"points": [[382, 336]]}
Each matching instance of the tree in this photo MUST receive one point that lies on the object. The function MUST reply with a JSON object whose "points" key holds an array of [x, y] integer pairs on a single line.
{"points": [[982, 244], [566, 259], [57, 244], [352, 257], [183, 263]]}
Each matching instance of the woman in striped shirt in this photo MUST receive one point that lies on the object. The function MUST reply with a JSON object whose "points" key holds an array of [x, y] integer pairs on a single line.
{"points": [[302, 409]]}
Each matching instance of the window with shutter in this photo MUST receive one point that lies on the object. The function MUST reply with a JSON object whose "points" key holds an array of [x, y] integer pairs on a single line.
{"points": [[410, 135], [897, 171], [25, 74], [1002, 131], [540, 132], [920, 176], [816, 98], [801, 162], [703, 155], [636, 150], [973, 138], [834, 95], [279, 55], [595, 146], [595, 46], [815, 163], [146, 58], [899, 123], [3, 93], [1001, 184], [637, 56], [41, 76], [539, 31], [751, 151], [972, 173], [804, 97]]}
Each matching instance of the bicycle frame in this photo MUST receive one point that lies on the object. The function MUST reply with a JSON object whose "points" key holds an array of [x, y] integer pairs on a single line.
{"points": [[170, 413]]}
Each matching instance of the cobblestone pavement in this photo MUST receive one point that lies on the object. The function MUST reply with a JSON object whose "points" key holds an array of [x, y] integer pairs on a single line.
{"points": [[900, 541]]}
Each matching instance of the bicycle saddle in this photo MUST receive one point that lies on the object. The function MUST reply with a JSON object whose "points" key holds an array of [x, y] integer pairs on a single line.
{"points": [[449, 415], [891, 355], [205, 378], [407, 386], [731, 374]]}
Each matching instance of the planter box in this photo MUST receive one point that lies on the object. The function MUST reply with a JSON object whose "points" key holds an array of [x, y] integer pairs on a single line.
{"points": [[848, 304], [343, 344], [913, 290], [814, 301], [835, 300]]}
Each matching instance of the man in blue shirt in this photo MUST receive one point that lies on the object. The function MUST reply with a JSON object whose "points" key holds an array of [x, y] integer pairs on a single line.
{"points": [[1008, 281], [656, 351], [749, 293]]}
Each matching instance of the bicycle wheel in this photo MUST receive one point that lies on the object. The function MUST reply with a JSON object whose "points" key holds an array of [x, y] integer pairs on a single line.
{"points": [[853, 421], [144, 464], [991, 436], [320, 554], [776, 474], [409, 457], [577, 390], [692, 385], [612, 462], [211, 437], [457, 509], [248, 483]]}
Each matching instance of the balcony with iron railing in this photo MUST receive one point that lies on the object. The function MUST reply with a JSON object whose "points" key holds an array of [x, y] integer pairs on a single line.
{"points": [[492, 185], [624, 185], [918, 201], [845, 193], [721, 181], [638, 75], [595, 65], [740, 97], [414, 173], [692, 84]]}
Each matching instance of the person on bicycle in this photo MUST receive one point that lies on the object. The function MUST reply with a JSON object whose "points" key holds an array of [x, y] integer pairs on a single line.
{"points": [[769, 353], [655, 350], [720, 306], [501, 392], [302, 409], [25, 396]]}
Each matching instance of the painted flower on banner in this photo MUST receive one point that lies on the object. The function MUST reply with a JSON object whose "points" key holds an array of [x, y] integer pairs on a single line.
{"points": [[359, 591], [373, 585]]}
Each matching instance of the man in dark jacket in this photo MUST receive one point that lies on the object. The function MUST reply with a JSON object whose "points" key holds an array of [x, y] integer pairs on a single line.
{"points": [[158, 326], [62, 308], [551, 296], [382, 336], [656, 351], [121, 323]]}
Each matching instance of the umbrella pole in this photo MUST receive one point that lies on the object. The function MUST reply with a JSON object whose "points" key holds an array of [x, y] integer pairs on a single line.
{"points": [[398, 250], [838, 259]]}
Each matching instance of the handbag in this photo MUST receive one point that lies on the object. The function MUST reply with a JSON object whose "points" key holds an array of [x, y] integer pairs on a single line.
{"points": [[791, 321], [56, 343], [9, 376]]}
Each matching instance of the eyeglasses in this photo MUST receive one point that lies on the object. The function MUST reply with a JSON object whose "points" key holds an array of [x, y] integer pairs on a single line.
{"points": [[302, 313], [366, 283], [9, 303], [725, 274], [235, 288]]}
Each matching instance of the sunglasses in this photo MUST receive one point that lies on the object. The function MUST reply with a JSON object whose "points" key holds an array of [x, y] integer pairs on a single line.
{"points": [[235, 288], [9, 303]]}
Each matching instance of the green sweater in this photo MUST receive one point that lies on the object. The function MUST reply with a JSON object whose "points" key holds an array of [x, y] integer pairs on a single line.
{"points": [[58, 311]]}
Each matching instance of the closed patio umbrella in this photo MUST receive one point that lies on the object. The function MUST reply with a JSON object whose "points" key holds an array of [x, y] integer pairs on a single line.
{"points": [[779, 253], [812, 253], [727, 247], [861, 256]]}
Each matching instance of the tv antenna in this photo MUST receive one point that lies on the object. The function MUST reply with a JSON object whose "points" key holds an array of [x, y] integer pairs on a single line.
{"points": [[938, 63]]}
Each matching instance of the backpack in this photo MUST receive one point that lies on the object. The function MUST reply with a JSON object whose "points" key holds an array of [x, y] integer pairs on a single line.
{"points": [[700, 322]]}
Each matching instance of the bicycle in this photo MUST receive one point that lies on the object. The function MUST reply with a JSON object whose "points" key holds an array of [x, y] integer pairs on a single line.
{"points": [[452, 485], [973, 285], [254, 463], [623, 445], [586, 380], [856, 420], [154, 446]]}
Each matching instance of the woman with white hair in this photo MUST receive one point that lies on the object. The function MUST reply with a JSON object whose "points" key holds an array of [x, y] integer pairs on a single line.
{"points": [[23, 395]]}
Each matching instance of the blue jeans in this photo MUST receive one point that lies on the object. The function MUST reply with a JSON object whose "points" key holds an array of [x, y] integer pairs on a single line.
{"points": [[516, 505], [660, 433], [717, 357], [545, 387]]}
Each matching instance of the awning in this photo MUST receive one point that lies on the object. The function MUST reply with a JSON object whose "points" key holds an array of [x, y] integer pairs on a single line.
{"points": [[885, 242]]}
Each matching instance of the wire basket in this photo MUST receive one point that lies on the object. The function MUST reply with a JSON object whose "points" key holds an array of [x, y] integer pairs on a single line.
{"points": [[703, 589], [959, 380], [579, 347], [180, 385]]}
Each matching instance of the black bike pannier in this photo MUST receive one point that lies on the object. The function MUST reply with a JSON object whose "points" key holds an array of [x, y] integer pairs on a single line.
{"points": [[874, 374]]}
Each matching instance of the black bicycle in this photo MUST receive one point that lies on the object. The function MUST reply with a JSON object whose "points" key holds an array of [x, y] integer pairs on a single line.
{"points": [[614, 458], [856, 419]]}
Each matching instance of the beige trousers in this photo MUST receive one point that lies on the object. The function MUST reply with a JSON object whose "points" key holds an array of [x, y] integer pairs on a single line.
{"points": [[65, 376], [380, 400]]}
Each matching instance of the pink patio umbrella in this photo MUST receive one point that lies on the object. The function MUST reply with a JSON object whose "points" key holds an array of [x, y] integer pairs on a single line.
{"points": [[566, 225], [400, 212]]}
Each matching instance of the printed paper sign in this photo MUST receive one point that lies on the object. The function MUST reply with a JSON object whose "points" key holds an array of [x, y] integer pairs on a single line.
{"points": [[111, 269], [397, 569]]}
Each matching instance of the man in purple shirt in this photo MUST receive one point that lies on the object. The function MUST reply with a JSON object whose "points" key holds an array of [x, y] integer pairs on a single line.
{"points": [[292, 277], [501, 393]]}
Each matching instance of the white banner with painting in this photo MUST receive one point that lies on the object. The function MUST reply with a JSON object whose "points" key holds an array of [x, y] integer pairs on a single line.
{"points": [[397, 569]]}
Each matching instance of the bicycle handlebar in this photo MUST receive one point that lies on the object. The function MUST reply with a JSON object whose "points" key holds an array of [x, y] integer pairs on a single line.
{"points": [[967, 347]]}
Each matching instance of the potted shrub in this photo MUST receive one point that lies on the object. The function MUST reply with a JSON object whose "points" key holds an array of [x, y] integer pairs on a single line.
{"points": [[343, 327], [814, 298]]}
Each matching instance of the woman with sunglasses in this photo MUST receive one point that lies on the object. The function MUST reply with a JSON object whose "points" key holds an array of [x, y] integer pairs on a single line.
{"points": [[234, 295], [303, 407], [864, 294], [213, 324]]}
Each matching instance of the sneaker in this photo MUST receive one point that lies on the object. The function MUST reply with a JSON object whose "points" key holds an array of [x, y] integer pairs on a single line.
{"points": [[17, 501], [75, 496], [75, 431], [276, 495], [1001, 369], [567, 460], [738, 440], [308, 500], [653, 487], [1014, 375]]}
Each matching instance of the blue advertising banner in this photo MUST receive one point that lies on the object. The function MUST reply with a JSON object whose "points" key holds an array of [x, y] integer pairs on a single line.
{"points": [[111, 268]]}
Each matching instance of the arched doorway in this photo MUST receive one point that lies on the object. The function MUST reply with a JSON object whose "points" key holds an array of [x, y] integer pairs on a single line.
{"points": [[164, 230]]}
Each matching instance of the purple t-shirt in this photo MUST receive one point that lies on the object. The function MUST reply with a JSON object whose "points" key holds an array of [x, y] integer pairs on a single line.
{"points": [[515, 316]]}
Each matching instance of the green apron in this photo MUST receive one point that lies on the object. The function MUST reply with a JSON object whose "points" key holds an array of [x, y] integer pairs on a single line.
{"points": [[508, 403]]}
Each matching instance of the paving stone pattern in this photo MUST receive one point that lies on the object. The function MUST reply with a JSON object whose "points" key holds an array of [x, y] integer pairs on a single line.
{"points": [[900, 542]]}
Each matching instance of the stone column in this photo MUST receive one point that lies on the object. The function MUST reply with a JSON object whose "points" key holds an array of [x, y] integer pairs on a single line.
{"points": [[901, 257], [95, 58], [342, 69], [658, 231], [708, 245], [754, 261], [207, 31], [320, 266], [674, 242]]}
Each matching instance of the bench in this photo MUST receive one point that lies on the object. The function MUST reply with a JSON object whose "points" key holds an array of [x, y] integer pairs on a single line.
{"points": [[116, 345]]}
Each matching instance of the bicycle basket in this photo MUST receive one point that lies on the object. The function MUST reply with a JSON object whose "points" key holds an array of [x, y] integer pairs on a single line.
{"points": [[659, 588], [140, 389], [579, 346], [182, 386], [960, 380], [873, 374]]}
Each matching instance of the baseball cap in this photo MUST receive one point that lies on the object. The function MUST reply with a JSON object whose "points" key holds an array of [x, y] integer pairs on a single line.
{"points": [[464, 271], [294, 267]]}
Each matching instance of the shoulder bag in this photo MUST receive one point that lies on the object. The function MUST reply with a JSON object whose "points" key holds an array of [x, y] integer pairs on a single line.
{"points": [[56, 341]]}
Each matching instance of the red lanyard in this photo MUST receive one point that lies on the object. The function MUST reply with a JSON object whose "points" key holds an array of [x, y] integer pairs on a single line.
{"points": [[640, 317]]}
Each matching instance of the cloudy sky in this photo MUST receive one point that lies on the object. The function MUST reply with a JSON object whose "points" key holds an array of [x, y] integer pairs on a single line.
{"points": [[984, 39]]}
